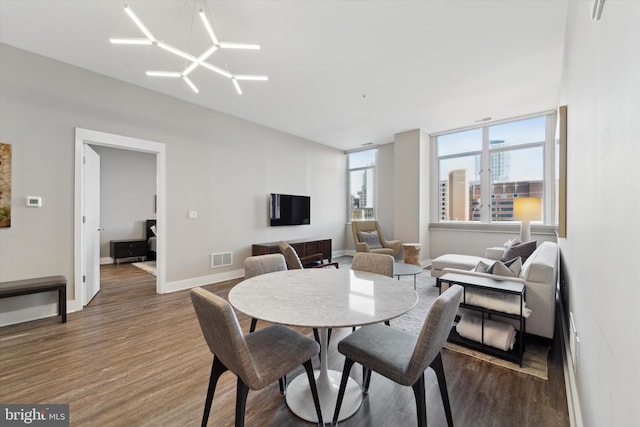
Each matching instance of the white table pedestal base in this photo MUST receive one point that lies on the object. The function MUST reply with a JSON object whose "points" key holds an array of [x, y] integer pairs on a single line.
{"points": [[300, 401], [299, 396]]}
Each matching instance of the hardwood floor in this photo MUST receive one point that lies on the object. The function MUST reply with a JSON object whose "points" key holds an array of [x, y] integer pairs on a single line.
{"points": [[133, 358]]}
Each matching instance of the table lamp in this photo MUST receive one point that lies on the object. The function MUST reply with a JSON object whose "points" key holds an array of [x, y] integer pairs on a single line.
{"points": [[526, 209]]}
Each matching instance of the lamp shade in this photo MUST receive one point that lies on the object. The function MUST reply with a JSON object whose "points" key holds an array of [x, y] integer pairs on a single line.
{"points": [[527, 208]]}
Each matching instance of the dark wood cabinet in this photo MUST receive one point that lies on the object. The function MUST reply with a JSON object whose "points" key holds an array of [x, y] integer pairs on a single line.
{"points": [[128, 249], [304, 247]]}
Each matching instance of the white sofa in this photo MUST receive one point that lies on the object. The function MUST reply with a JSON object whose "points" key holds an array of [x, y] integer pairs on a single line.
{"points": [[539, 273]]}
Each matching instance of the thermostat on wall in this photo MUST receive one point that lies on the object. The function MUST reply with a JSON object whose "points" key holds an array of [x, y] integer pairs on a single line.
{"points": [[34, 201]]}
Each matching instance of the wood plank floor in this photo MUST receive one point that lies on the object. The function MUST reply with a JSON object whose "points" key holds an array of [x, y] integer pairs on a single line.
{"points": [[135, 358]]}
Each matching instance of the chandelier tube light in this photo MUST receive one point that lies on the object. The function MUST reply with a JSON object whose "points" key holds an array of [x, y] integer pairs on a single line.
{"points": [[195, 61], [164, 74], [190, 83], [131, 41], [139, 23], [231, 45]]}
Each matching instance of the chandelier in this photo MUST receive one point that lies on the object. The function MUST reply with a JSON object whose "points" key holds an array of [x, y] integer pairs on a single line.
{"points": [[193, 61]]}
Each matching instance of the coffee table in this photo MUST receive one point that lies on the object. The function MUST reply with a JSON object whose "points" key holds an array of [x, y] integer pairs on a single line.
{"points": [[323, 298], [404, 269]]}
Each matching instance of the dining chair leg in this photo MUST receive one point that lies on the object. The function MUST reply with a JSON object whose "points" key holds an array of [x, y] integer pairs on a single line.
{"points": [[217, 369], [254, 322], [366, 380], [282, 382], [242, 391], [314, 391], [421, 404], [437, 366], [348, 363]]}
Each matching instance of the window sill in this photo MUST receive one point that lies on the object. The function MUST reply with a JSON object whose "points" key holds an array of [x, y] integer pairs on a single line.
{"points": [[506, 227]]}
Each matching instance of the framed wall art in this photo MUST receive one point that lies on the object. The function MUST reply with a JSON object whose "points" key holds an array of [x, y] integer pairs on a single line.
{"points": [[5, 185]]}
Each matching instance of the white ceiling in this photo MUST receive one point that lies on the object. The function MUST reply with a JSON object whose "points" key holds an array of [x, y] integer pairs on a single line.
{"points": [[341, 73]]}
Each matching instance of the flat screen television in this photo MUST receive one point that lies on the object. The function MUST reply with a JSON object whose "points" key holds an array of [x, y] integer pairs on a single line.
{"points": [[286, 209]]}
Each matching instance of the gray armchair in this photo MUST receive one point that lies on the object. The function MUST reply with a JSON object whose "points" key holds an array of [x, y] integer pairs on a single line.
{"points": [[367, 237]]}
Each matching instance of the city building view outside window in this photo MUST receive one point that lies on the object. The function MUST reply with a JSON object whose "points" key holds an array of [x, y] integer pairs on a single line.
{"points": [[362, 172], [482, 170]]}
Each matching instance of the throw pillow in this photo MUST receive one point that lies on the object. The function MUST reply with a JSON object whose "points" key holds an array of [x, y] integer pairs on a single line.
{"points": [[482, 267], [153, 230], [509, 268], [522, 250], [371, 238]]}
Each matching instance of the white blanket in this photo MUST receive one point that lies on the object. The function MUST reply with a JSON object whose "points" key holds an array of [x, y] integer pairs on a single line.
{"points": [[496, 334], [506, 303]]}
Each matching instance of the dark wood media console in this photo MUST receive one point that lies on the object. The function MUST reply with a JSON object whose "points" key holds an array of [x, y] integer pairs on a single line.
{"points": [[304, 247]]}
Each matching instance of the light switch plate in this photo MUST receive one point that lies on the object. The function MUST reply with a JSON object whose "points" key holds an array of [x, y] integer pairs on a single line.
{"points": [[33, 201]]}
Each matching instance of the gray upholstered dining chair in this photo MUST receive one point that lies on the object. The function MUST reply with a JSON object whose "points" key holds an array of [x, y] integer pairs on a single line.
{"points": [[258, 359], [262, 264], [373, 263], [403, 357], [294, 262]]}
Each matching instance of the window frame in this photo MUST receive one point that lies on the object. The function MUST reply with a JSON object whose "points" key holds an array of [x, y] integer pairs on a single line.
{"points": [[548, 172], [362, 168]]}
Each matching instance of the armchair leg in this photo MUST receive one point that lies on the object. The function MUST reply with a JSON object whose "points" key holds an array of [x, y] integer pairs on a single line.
{"points": [[437, 366], [314, 391], [421, 404], [241, 402], [348, 363], [217, 369]]}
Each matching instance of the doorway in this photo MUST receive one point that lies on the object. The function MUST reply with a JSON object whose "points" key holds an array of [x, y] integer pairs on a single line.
{"points": [[85, 137]]}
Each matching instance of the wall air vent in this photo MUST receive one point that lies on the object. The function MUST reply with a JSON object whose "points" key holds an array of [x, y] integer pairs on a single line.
{"points": [[221, 259]]}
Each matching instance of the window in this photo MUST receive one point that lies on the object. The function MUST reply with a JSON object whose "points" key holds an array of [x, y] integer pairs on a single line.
{"points": [[482, 170], [361, 184]]}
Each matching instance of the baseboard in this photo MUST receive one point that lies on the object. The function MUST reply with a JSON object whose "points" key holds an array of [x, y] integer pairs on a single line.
{"points": [[573, 400], [181, 285]]}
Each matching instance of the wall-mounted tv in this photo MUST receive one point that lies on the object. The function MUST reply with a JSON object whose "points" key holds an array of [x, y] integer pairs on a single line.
{"points": [[286, 209]]}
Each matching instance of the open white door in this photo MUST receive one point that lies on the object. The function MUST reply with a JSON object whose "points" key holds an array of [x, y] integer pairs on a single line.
{"points": [[91, 223]]}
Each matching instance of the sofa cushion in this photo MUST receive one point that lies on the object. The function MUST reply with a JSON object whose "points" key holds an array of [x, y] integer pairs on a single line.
{"points": [[522, 250], [371, 238], [461, 262]]}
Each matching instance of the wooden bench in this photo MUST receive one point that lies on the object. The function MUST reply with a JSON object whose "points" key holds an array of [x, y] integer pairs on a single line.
{"points": [[41, 284]]}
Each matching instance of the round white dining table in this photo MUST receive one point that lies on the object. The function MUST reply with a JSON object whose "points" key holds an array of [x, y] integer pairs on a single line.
{"points": [[323, 298]]}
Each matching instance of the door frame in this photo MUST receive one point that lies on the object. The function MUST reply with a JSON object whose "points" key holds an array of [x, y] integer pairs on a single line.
{"points": [[92, 137]]}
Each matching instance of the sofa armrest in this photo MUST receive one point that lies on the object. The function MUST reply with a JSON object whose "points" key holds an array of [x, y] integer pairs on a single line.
{"points": [[494, 253]]}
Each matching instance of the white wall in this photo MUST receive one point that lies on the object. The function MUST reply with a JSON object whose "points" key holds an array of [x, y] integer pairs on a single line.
{"points": [[221, 166], [127, 190], [602, 92]]}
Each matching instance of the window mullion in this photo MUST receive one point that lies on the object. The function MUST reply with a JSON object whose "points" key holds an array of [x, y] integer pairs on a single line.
{"points": [[485, 178]]}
